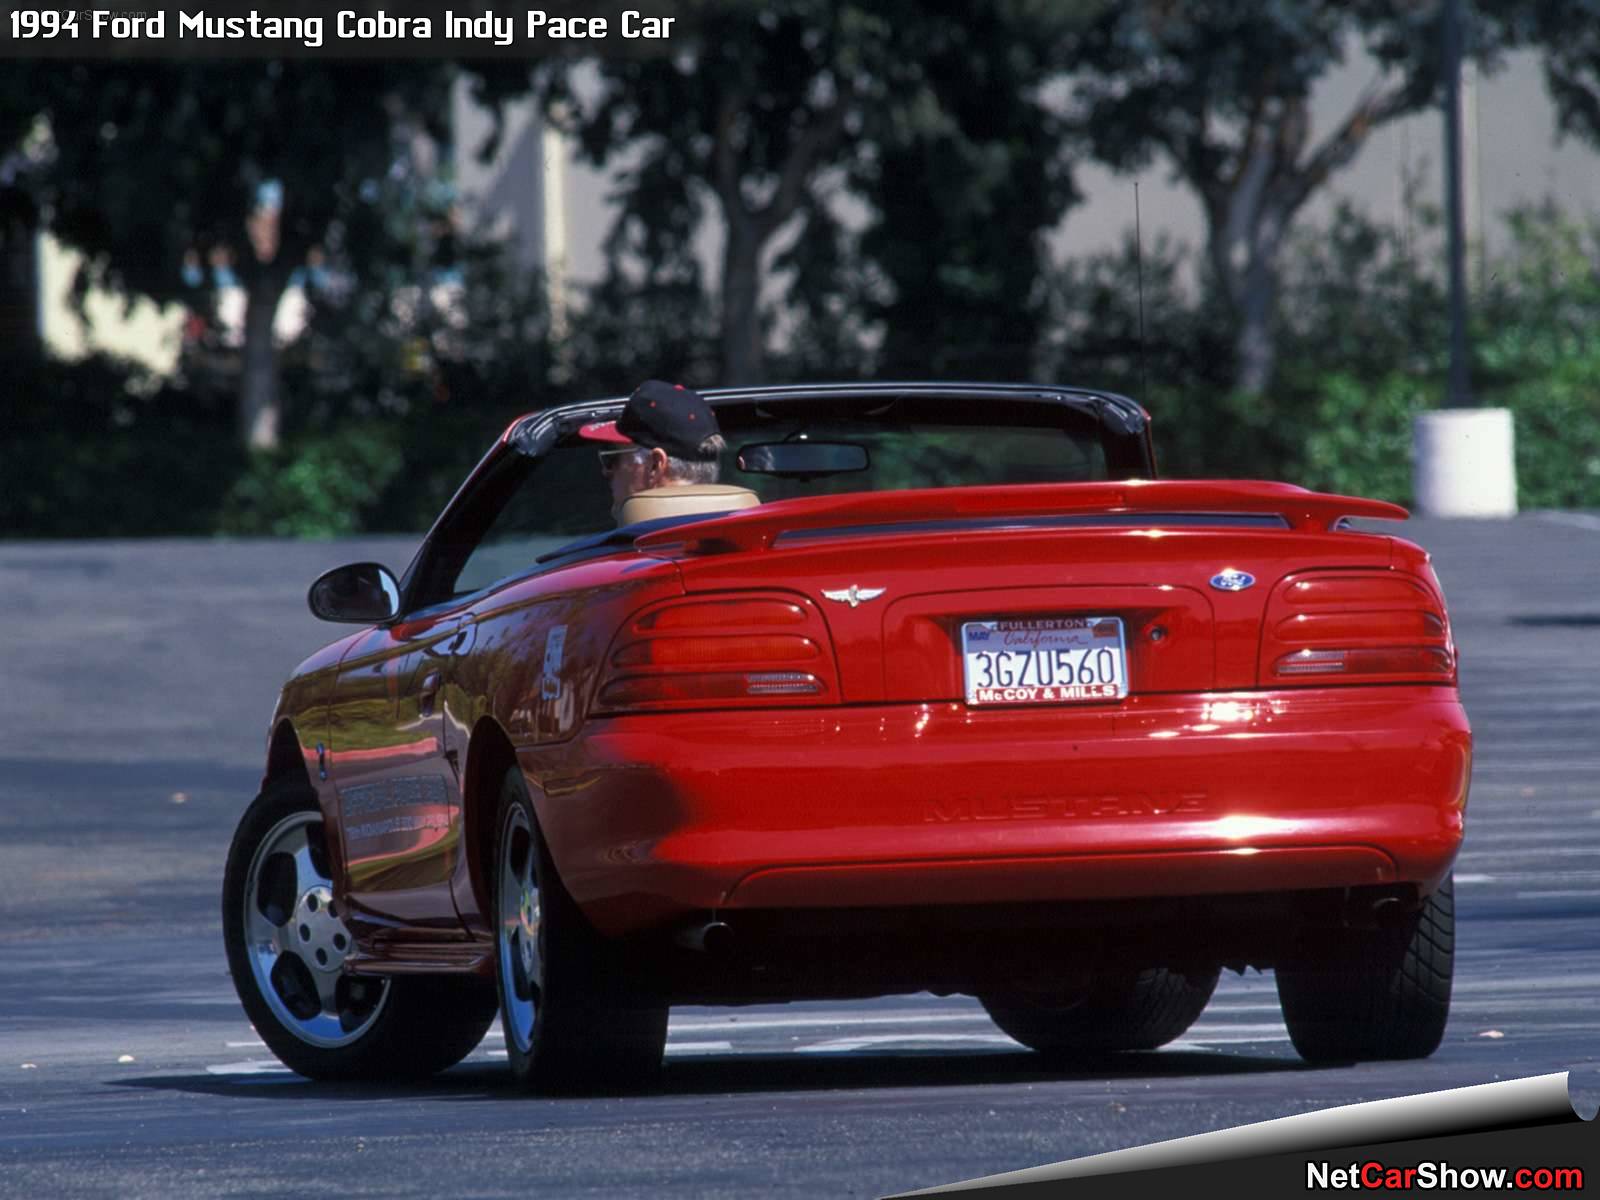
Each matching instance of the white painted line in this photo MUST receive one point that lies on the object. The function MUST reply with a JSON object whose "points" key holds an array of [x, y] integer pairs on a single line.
{"points": [[253, 1043], [1188, 1043], [254, 1066], [1475, 878], [1223, 1008], [734, 1024], [846, 1045], [698, 1047], [1570, 894], [1204, 1031]]}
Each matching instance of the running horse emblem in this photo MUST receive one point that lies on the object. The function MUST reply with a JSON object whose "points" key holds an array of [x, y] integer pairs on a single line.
{"points": [[853, 596]]}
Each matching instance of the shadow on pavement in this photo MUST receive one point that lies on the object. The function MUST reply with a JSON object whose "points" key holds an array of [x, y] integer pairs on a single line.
{"points": [[751, 1073]]}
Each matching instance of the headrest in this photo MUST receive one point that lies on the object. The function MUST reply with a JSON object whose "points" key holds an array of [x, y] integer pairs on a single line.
{"points": [[681, 499]]}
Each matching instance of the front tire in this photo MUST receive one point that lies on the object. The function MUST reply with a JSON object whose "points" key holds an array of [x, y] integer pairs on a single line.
{"points": [[575, 1017], [1116, 1011], [1374, 995], [287, 943]]}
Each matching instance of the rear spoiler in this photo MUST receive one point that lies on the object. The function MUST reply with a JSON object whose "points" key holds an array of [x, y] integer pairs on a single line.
{"points": [[758, 528]]}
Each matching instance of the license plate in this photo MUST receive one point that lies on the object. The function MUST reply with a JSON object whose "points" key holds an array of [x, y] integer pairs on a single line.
{"points": [[1047, 660]]}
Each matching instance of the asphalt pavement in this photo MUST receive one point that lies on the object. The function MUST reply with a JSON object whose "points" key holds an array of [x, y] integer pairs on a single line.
{"points": [[139, 679]]}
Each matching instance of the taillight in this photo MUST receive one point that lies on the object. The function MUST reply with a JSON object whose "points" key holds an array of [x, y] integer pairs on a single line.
{"points": [[727, 651], [1356, 627], [715, 651], [1395, 660]]}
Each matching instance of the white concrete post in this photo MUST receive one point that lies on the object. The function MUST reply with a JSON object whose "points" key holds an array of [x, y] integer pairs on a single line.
{"points": [[1465, 463]]}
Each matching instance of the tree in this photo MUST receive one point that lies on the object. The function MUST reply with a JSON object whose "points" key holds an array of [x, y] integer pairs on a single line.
{"points": [[1569, 30], [1220, 90], [152, 162], [19, 214], [755, 106], [964, 173]]}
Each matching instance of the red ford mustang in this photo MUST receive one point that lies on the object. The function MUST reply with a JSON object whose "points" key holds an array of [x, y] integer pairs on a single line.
{"points": [[939, 689]]}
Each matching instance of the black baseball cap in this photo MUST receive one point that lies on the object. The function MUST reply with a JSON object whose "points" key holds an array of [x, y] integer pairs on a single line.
{"points": [[667, 415]]}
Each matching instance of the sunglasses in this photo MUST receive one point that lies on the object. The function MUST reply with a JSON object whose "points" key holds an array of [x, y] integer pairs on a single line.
{"points": [[611, 460]]}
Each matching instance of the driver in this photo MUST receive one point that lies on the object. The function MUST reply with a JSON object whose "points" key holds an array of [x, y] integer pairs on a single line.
{"points": [[667, 435]]}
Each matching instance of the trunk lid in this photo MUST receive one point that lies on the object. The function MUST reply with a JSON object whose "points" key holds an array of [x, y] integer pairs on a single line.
{"points": [[923, 564]]}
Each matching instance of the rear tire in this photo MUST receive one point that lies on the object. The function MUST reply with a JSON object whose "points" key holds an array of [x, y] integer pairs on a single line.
{"points": [[286, 943], [576, 1018], [1375, 994], [1121, 1010]]}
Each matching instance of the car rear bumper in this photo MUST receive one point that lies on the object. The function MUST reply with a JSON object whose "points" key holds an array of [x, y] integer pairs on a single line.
{"points": [[653, 817]]}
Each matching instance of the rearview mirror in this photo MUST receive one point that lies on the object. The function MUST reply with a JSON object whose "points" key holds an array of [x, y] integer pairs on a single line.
{"points": [[800, 459], [363, 593]]}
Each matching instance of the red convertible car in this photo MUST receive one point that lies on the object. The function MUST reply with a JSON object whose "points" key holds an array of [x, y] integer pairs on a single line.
{"points": [[939, 689]]}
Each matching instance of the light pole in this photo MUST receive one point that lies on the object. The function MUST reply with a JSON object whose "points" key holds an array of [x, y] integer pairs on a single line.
{"points": [[1460, 390], [1464, 455]]}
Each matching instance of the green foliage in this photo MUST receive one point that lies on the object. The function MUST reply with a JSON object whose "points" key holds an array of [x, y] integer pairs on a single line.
{"points": [[150, 161], [664, 329], [1569, 33], [421, 346], [967, 160], [166, 175], [96, 449], [1359, 440], [1370, 338], [434, 371], [757, 104], [1191, 80], [1362, 299], [1221, 93], [1365, 350], [1558, 434], [1538, 353], [1180, 369], [930, 115], [319, 486]]}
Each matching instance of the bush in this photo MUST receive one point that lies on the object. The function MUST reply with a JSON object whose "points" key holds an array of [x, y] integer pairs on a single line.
{"points": [[1359, 442], [1363, 348], [1538, 353], [1557, 419], [321, 486], [94, 448], [394, 394]]}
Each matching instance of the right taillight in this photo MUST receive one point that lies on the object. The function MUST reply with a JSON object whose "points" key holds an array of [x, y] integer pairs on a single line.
{"points": [[1356, 627], [729, 651]]}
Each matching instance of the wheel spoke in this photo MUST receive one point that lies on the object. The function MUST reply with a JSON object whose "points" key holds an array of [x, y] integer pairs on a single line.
{"points": [[306, 875], [327, 989]]}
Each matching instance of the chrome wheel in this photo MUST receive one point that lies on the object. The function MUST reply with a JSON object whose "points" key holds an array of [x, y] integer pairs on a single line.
{"points": [[297, 941], [521, 967], [577, 1016]]}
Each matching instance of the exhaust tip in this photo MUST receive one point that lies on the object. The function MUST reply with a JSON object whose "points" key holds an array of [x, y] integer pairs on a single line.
{"points": [[708, 937], [718, 939], [1389, 913]]}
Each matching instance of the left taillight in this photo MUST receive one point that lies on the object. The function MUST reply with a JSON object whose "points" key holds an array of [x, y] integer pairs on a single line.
{"points": [[1356, 627], [756, 650]]}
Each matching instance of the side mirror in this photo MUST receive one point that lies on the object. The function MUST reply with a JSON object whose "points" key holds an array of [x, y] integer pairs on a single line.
{"points": [[363, 593]]}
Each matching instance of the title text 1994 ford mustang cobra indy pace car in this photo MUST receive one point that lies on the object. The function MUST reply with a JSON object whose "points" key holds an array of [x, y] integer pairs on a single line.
{"points": [[937, 690]]}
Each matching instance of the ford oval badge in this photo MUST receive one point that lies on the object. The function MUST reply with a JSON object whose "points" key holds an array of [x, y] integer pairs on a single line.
{"points": [[1232, 581]]}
